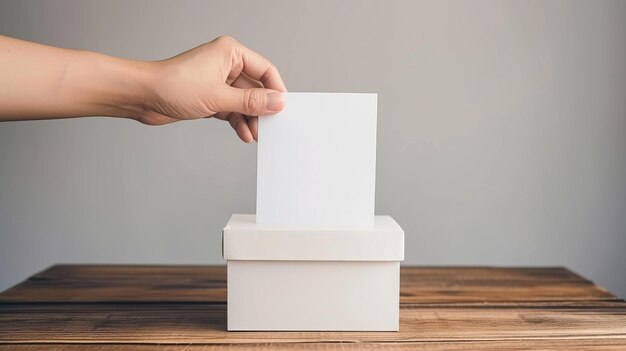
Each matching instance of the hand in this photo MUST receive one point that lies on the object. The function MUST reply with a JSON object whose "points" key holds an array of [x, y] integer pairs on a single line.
{"points": [[221, 78]]}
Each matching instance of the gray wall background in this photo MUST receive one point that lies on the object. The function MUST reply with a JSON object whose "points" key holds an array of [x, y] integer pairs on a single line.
{"points": [[501, 140]]}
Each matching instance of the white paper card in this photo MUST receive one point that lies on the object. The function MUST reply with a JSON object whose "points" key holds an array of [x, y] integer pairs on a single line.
{"points": [[317, 161]]}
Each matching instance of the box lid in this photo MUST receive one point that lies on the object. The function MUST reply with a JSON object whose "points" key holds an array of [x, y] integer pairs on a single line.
{"points": [[244, 239]]}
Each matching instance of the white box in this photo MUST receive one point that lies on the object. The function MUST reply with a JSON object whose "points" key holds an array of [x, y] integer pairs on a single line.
{"points": [[302, 277]]}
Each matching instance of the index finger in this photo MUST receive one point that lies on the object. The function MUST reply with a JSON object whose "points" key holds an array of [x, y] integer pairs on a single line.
{"points": [[259, 68]]}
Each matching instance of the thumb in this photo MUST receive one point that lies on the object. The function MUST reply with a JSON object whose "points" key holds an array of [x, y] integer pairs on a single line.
{"points": [[251, 102]]}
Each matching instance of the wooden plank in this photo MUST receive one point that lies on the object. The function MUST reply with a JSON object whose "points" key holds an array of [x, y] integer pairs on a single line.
{"points": [[177, 323], [122, 283], [517, 345], [491, 285], [419, 285]]}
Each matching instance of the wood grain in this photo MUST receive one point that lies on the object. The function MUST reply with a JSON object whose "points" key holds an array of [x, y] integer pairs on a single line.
{"points": [[122, 283], [176, 308], [521, 345], [206, 323], [419, 285]]}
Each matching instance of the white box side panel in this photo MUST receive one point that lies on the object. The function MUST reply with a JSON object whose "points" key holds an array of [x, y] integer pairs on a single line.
{"points": [[318, 295]]}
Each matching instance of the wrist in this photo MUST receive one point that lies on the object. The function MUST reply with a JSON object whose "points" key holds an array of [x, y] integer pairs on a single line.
{"points": [[122, 88]]}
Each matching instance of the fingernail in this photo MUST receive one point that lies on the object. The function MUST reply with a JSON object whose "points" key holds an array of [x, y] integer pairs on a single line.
{"points": [[274, 102]]}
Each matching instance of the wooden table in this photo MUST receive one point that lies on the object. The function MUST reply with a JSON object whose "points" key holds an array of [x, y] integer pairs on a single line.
{"points": [[184, 308]]}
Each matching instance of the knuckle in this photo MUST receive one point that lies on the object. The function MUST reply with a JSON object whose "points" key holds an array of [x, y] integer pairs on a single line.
{"points": [[225, 39], [252, 102], [235, 122], [270, 72], [230, 48], [267, 74]]}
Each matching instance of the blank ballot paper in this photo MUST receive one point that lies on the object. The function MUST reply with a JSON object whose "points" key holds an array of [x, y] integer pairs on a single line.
{"points": [[317, 161]]}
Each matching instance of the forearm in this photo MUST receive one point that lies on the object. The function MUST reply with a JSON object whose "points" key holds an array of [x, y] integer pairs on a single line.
{"points": [[40, 82]]}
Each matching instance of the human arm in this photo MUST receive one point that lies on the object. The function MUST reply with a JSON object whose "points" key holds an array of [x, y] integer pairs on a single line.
{"points": [[221, 78]]}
